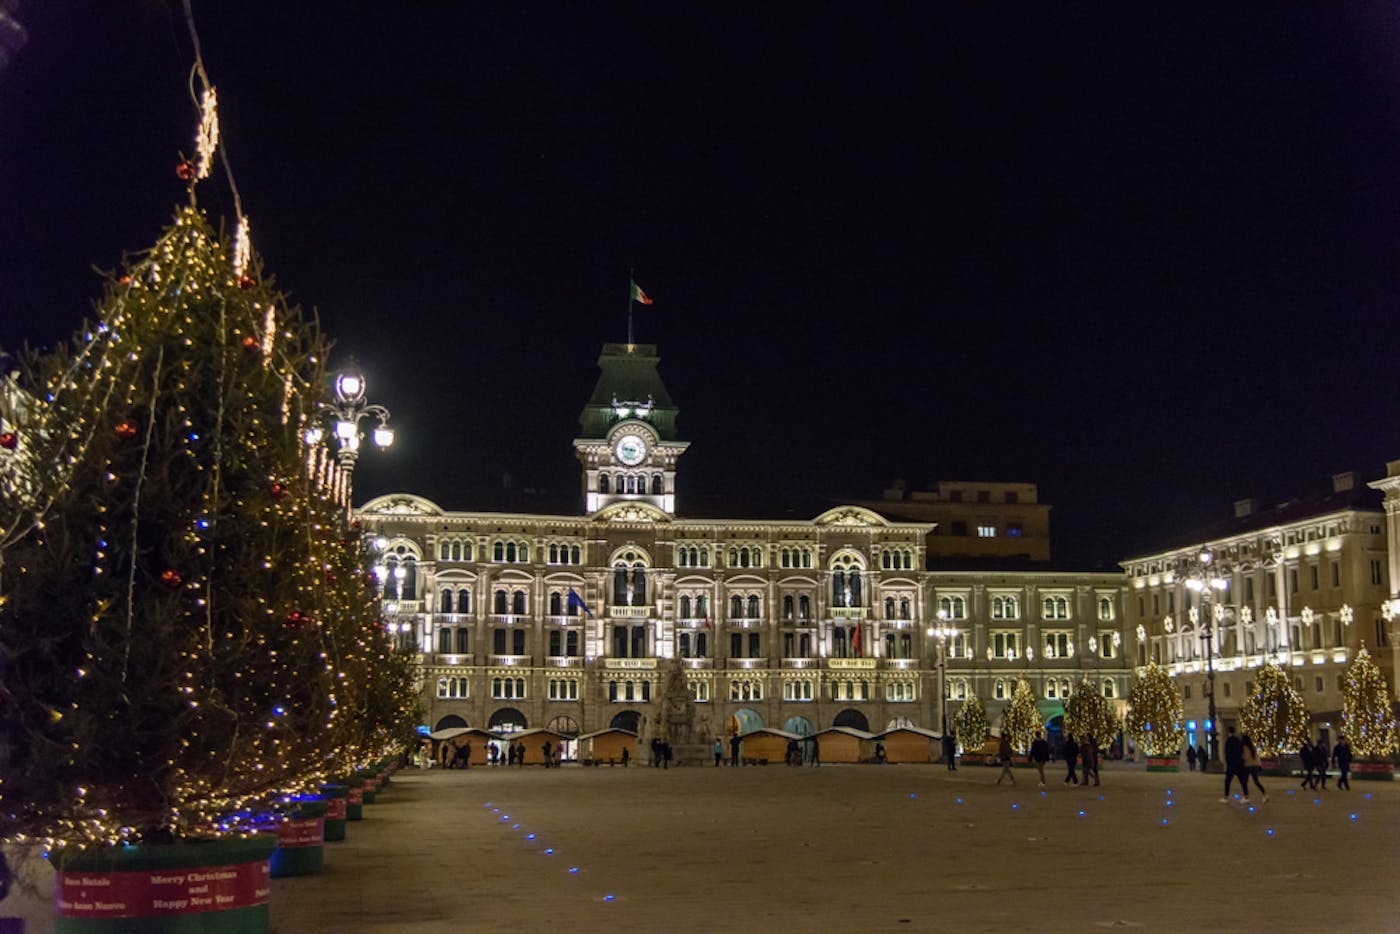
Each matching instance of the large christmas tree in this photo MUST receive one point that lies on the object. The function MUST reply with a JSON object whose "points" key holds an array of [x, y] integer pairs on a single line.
{"points": [[185, 630], [970, 725], [1154, 713], [1022, 719], [1089, 713], [1274, 715], [1368, 713]]}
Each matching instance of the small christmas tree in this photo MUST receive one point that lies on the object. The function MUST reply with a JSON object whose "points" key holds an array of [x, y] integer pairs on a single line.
{"points": [[1089, 713], [1154, 713], [970, 725], [1368, 717], [1022, 718], [1274, 716]]}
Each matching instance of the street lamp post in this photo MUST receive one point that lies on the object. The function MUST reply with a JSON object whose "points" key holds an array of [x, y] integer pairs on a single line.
{"points": [[1205, 581], [346, 412], [941, 633]]}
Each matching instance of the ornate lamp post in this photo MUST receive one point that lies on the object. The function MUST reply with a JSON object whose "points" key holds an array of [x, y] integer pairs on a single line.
{"points": [[345, 415], [1205, 581], [942, 633]]}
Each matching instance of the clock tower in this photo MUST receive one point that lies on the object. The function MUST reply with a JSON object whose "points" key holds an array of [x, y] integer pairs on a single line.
{"points": [[627, 443]]}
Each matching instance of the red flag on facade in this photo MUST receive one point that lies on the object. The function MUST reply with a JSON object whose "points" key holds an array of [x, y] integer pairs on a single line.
{"points": [[855, 641]]}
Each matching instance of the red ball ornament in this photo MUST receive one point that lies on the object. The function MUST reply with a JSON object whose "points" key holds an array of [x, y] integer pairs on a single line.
{"points": [[171, 578], [185, 170], [9, 440], [126, 431], [297, 619], [252, 345], [279, 491], [124, 280], [246, 282]]}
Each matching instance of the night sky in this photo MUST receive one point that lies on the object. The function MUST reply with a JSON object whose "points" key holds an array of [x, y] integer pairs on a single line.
{"points": [[1147, 260]]}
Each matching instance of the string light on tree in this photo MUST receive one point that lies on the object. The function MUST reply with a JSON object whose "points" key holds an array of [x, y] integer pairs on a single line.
{"points": [[1368, 718], [1274, 714], [1154, 713]]}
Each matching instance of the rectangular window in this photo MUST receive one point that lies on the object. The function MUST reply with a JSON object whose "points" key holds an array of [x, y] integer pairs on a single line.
{"points": [[1005, 643], [1057, 644], [1273, 586], [1312, 574], [571, 643], [1317, 683], [1226, 685], [518, 642], [959, 527], [984, 496], [1293, 580], [444, 641], [1186, 691], [986, 531], [1142, 607], [1013, 530], [753, 645], [1336, 574], [1106, 647], [498, 641], [1249, 590], [1375, 571], [1010, 496]]}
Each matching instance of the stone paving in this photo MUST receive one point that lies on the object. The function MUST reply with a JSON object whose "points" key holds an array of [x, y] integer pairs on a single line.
{"points": [[849, 848]]}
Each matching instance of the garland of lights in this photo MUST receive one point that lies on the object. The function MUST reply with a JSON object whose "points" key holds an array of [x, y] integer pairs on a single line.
{"points": [[1154, 713], [970, 724], [1022, 719]]}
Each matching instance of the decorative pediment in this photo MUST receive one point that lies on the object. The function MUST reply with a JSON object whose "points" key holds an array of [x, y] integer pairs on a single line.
{"points": [[631, 512], [850, 515], [401, 504]]}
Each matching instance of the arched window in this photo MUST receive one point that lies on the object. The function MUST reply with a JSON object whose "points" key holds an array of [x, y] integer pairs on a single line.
{"points": [[787, 604], [700, 645], [517, 603], [804, 607], [685, 607], [904, 608], [553, 553], [838, 588], [410, 578], [733, 557], [575, 554], [736, 607], [442, 556], [466, 551], [456, 551], [656, 485], [906, 646], [639, 585], [499, 604], [1109, 688], [620, 584], [753, 609], [463, 641], [445, 606], [889, 608], [498, 551], [999, 689], [556, 607], [464, 601]]}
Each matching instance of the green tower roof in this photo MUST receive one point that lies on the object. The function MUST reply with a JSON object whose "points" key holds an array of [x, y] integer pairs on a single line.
{"points": [[629, 380]]}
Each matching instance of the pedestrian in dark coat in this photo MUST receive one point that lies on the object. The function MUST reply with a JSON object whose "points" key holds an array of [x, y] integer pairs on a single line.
{"points": [[1191, 758], [1322, 757], [548, 750], [1305, 753], [1341, 754], [1040, 754], [734, 751], [626, 756], [1252, 768], [1234, 765], [1201, 757], [719, 752], [1004, 755], [816, 752], [1071, 759], [1089, 755], [520, 755], [950, 751]]}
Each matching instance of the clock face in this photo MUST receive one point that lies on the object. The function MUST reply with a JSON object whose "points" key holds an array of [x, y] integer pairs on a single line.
{"points": [[631, 450]]}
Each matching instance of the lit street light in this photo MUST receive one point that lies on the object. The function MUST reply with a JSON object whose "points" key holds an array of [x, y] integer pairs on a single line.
{"points": [[1201, 578], [942, 633]]}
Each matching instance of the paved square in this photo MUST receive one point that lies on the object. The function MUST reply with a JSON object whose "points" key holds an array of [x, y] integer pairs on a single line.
{"points": [[850, 848]]}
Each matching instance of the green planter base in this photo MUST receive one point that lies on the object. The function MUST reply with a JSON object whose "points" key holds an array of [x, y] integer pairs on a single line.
{"points": [[1383, 771], [1163, 764], [206, 887], [301, 841], [336, 811]]}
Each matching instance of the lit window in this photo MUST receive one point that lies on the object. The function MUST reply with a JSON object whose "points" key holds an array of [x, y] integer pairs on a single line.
{"points": [[986, 531]]}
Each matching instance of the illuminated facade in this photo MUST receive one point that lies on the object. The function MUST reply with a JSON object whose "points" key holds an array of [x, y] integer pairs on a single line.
{"points": [[1302, 584], [575, 621]]}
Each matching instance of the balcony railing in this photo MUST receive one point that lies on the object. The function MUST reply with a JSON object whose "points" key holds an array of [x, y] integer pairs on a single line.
{"points": [[898, 623], [629, 612], [850, 664], [452, 658], [564, 661], [452, 619], [744, 622], [392, 605], [901, 664], [801, 662], [693, 622], [745, 663], [848, 612], [509, 619], [630, 663], [511, 661], [564, 620], [697, 663]]}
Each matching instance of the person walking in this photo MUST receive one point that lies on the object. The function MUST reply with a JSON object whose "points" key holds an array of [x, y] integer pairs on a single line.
{"points": [[467, 754], [510, 754], [665, 755], [1322, 757], [520, 755], [1341, 754], [1040, 754], [1234, 764], [1071, 759], [548, 750], [1305, 755], [816, 752], [1190, 758], [879, 753], [718, 751], [1089, 756], [1201, 757], [1004, 754], [950, 751], [1252, 768], [734, 751]]}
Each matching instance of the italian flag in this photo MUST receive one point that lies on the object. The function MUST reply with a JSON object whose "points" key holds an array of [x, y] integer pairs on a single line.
{"points": [[639, 296]]}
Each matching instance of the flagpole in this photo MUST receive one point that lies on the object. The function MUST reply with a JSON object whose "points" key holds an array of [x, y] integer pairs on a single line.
{"points": [[631, 277]]}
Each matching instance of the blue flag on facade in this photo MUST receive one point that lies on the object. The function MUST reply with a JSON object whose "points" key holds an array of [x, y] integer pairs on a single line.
{"points": [[576, 600]]}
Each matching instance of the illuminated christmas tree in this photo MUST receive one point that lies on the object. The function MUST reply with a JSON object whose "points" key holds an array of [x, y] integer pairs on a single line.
{"points": [[1089, 713], [186, 633], [1274, 716], [1154, 713], [1368, 717], [1022, 718], [970, 725]]}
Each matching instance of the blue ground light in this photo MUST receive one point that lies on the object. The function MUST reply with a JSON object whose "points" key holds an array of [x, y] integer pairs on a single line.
{"points": [[1353, 817], [529, 836], [1164, 822], [573, 870], [1269, 832], [1081, 813], [608, 898]]}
